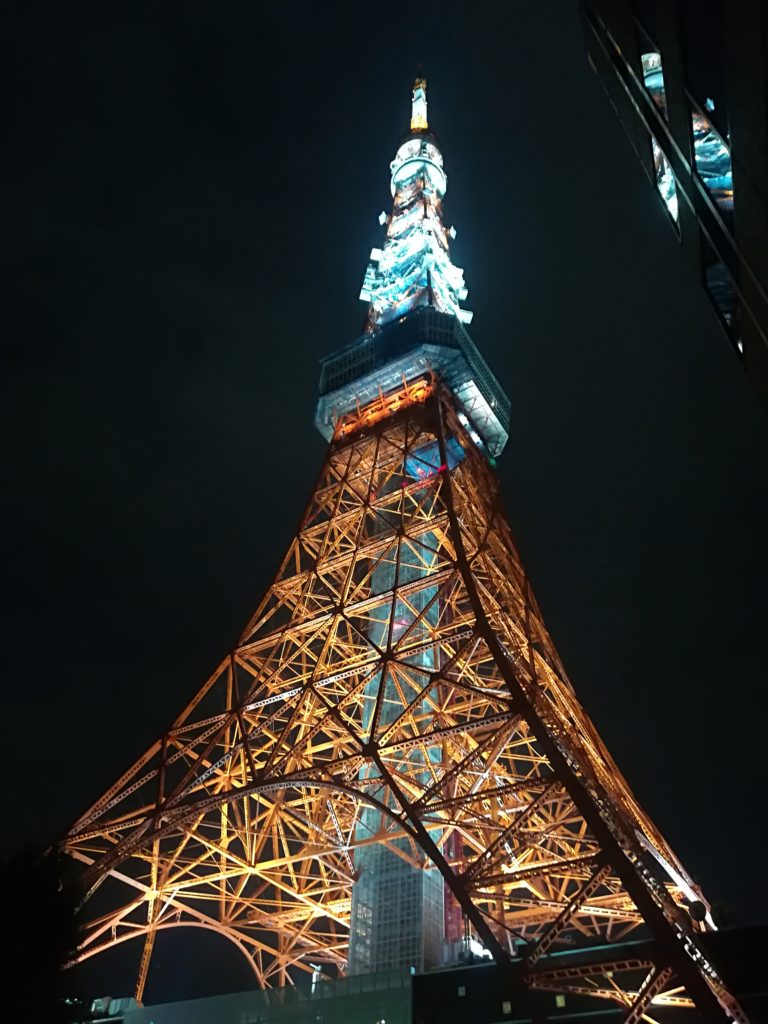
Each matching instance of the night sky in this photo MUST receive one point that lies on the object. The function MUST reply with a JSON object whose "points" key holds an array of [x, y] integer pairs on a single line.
{"points": [[190, 193]]}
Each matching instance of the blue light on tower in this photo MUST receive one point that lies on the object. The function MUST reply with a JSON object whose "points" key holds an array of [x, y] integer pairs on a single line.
{"points": [[414, 266]]}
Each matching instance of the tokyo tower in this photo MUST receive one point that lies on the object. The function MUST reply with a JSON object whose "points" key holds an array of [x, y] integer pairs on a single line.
{"points": [[391, 766]]}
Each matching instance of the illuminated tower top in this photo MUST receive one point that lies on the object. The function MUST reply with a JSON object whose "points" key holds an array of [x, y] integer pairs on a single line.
{"points": [[419, 106], [415, 321], [414, 266]]}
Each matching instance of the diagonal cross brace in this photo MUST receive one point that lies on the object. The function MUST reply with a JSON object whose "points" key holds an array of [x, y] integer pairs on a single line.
{"points": [[654, 982], [567, 914]]}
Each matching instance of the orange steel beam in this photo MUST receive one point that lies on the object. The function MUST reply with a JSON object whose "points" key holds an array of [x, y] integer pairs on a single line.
{"points": [[245, 816]]}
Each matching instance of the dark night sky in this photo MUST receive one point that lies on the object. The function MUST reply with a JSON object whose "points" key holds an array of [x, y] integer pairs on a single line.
{"points": [[190, 198]]}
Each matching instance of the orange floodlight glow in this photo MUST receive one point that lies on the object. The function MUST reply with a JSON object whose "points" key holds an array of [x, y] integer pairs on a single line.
{"points": [[412, 393]]}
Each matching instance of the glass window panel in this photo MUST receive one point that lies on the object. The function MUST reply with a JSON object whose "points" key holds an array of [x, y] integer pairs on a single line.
{"points": [[719, 283], [665, 180], [713, 160], [653, 78]]}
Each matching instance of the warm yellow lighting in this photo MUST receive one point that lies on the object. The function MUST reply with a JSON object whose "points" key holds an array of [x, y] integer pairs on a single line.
{"points": [[419, 106]]}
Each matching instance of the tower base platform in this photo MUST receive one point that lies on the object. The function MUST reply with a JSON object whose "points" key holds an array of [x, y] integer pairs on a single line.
{"points": [[480, 991]]}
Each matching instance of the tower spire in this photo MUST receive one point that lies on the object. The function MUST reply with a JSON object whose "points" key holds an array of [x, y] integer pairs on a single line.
{"points": [[414, 268], [419, 121]]}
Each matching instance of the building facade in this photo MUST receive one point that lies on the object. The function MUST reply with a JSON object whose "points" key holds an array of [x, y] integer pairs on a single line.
{"points": [[481, 992], [689, 82]]}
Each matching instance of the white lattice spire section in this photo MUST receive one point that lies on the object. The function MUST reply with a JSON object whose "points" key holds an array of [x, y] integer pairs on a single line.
{"points": [[414, 268], [419, 106]]}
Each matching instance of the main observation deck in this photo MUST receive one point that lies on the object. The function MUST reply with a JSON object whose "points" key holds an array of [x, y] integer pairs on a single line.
{"points": [[406, 348]]}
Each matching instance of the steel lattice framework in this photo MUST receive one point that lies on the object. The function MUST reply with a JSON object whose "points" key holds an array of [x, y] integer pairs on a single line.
{"points": [[396, 691], [244, 817]]}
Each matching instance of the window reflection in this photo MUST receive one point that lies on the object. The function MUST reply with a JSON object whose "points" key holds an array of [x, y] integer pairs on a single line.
{"points": [[653, 79], [718, 282], [713, 160], [665, 179]]}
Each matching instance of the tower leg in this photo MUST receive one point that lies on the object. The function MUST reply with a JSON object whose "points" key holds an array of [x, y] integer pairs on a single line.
{"points": [[149, 939], [146, 952]]}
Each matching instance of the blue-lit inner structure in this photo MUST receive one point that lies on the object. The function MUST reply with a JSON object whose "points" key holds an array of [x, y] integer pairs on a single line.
{"points": [[415, 328], [425, 462], [398, 907]]}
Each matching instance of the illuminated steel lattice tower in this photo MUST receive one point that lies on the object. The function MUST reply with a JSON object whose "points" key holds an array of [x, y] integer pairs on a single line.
{"points": [[393, 754]]}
